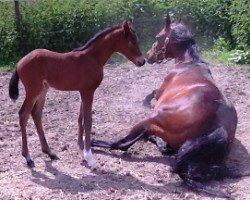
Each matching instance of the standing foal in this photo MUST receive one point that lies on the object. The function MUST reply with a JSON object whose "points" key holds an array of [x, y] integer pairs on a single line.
{"points": [[80, 70]]}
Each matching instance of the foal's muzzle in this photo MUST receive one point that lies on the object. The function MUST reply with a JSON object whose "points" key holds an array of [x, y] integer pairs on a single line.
{"points": [[140, 62]]}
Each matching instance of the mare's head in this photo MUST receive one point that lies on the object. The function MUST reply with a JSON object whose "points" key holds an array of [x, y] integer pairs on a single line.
{"points": [[173, 41], [128, 44]]}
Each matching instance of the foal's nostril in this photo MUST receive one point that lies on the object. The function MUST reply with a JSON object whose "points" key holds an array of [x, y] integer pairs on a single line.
{"points": [[141, 63]]}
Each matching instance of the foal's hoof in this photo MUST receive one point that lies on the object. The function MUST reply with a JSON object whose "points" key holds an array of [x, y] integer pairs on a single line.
{"points": [[88, 156], [53, 156], [92, 164], [30, 163]]}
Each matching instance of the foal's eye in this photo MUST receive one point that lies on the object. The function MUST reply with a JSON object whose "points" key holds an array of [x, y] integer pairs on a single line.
{"points": [[133, 42]]}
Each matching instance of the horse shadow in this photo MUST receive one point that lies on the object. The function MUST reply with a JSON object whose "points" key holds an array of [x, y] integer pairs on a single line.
{"points": [[98, 180], [239, 158], [106, 180]]}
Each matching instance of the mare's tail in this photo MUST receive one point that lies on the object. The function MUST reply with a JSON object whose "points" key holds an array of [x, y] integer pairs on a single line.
{"points": [[13, 86], [202, 159]]}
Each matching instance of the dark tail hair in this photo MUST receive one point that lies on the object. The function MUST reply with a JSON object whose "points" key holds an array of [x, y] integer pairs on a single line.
{"points": [[202, 160], [13, 86]]}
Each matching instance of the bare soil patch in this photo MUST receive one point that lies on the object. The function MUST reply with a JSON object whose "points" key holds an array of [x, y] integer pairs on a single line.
{"points": [[140, 173]]}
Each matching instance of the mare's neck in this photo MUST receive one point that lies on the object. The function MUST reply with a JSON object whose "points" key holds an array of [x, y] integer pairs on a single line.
{"points": [[183, 58], [189, 55], [102, 49]]}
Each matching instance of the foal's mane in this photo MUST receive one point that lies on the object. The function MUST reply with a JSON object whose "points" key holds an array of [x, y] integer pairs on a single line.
{"points": [[184, 41], [95, 37]]}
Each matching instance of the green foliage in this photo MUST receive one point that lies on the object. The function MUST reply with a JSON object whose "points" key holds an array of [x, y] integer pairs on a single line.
{"points": [[62, 25], [221, 44], [240, 19], [240, 56], [8, 35], [214, 56]]}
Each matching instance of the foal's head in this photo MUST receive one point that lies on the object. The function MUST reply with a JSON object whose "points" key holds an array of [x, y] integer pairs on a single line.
{"points": [[172, 42], [128, 44]]}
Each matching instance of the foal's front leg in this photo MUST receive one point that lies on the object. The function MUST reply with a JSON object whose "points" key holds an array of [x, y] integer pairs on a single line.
{"points": [[80, 128], [87, 101]]}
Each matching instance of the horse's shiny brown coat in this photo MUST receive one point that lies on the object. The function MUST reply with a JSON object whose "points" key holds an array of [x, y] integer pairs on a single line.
{"points": [[190, 105], [191, 114]]}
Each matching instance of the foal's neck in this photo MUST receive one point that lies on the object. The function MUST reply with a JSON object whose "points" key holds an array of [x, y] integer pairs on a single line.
{"points": [[103, 48]]}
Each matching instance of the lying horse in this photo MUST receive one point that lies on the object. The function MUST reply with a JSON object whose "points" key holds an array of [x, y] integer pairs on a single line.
{"points": [[80, 70], [191, 116]]}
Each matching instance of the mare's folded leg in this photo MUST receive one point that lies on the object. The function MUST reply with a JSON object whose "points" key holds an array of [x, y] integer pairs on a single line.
{"points": [[163, 147], [138, 132], [148, 99]]}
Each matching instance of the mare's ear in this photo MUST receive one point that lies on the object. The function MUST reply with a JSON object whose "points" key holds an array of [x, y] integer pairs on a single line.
{"points": [[167, 21], [126, 28], [131, 20]]}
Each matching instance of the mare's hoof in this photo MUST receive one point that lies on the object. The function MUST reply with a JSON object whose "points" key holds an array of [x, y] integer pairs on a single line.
{"points": [[145, 103], [30, 163], [53, 156]]}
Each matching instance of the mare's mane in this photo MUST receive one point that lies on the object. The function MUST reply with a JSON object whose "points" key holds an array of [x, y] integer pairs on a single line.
{"points": [[183, 40]]}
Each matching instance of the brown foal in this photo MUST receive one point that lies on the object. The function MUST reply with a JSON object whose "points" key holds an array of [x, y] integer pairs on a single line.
{"points": [[80, 70]]}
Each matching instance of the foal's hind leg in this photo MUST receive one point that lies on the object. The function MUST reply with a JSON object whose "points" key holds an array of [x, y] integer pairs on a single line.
{"points": [[24, 113], [37, 117]]}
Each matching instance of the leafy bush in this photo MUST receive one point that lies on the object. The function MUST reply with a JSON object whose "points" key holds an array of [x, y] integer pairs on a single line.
{"points": [[240, 57], [221, 44], [8, 35], [62, 25], [240, 19]]}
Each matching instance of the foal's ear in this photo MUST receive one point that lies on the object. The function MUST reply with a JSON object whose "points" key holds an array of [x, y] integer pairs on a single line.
{"points": [[126, 27], [167, 21]]}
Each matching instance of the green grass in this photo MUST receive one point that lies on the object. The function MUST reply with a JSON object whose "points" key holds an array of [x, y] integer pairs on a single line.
{"points": [[7, 67], [224, 57], [217, 56]]}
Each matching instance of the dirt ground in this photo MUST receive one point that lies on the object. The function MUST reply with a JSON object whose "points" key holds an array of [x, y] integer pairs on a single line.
{"points": [[140, 173]]}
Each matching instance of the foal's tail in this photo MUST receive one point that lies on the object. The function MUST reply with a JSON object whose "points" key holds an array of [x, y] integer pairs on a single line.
{"points": [[13, 86]]}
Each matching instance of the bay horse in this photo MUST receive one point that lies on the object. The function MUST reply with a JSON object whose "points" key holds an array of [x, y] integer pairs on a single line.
{"points": [[79, 70], [191, 117]]}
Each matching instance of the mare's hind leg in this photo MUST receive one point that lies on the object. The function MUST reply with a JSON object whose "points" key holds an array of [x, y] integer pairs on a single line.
{"points": [[163, 147], [37, 118], [138, 132]]}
